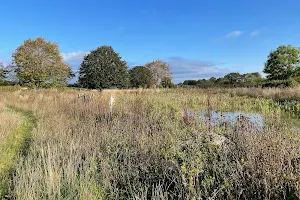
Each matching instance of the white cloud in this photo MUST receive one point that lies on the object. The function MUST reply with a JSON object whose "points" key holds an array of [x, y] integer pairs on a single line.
{"points": [[234, 34], [185, 69], [74, 56], [254, 33]]}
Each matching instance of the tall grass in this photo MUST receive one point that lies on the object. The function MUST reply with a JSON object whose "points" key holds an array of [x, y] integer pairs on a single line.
{"points": [[276, 94], [15, 128], [146, 149]]}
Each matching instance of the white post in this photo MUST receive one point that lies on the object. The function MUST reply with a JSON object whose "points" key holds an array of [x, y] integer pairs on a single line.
{"points": [[111, 102]]}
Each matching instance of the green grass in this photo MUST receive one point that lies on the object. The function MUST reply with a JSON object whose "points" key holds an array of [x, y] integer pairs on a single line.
{"points": [[17, 143]]}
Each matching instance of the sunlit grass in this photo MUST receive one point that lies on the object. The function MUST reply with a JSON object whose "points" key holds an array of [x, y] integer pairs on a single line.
{"points": [[15, 130], [144, 149]]}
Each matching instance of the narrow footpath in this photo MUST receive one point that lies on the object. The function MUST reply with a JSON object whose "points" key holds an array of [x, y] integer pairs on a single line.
{"points": [[16, 145]]}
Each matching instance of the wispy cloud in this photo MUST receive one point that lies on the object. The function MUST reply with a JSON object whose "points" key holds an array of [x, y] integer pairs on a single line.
{"points": [[74, 59], [234, 34], [74, 56], [184, 69], [254, 33], [132, 64]]}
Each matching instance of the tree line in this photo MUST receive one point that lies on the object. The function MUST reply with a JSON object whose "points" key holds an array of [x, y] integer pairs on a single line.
{"points": [[38, 63], [282, 69]]}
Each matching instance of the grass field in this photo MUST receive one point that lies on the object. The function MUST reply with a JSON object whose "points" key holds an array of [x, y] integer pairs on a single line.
{"points": [[153, 144]]}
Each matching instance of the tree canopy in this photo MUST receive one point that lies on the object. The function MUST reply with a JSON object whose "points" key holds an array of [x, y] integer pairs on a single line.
{"points": [[283, 63], [159, 70], [234, 77], [140, 76], [167, 82], [103, 68], [39, 64]]}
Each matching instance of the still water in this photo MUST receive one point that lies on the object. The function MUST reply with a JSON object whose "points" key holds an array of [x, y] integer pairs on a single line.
{"points": [[217, 118]]}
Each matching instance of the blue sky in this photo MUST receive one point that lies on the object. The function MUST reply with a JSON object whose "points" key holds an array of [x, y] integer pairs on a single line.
{"points": [[198, 38]]}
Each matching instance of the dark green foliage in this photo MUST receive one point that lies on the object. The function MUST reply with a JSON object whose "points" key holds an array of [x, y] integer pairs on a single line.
{"points": [[252, 77], [212, 79], [7, 83], [140, 76], [230, 80], [234, 78], [280, 83], [103, 68], [190, 82], [167, 82], [283, 63], [203, 83], [282, 67]]}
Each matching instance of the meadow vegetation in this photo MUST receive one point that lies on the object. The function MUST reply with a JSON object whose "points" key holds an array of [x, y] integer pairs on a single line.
{"points": [[151, 147], [15, 129], [70, 143]]}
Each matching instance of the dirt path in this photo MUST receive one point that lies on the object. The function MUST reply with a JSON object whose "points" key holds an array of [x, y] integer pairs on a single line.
{"points": [[16, 144]]}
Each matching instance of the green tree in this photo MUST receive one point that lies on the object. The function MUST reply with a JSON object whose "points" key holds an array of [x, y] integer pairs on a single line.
{"points": [[103, 68], [140, 76], [190, 82], [167, 82], [159, 70], [212, 79], [234, 77], [252, 77], [39, 64], [283, 63]]}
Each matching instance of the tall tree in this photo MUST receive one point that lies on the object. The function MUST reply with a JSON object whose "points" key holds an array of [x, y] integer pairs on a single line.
{"points": [[103, 68], [159, 70], [140, 76], [39, 64], [283, 63]]}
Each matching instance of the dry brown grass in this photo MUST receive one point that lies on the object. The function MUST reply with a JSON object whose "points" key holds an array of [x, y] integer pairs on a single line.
{"points": [[143, 150], [276, 94]]}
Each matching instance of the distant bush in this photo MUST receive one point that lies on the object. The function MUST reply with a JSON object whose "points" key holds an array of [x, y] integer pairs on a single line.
{"points": [[281, 83], [8, 83], [259, 84]]}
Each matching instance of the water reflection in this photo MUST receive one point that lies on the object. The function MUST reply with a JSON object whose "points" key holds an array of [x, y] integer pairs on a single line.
{"points": [[215, 118]]}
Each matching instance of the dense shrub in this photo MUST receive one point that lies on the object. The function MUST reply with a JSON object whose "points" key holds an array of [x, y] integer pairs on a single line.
{"points": [[281, 83], [7, 83]]}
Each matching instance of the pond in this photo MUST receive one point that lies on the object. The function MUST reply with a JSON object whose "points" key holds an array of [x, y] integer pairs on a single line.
{"points": [[231, 118], [215, 118]]}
